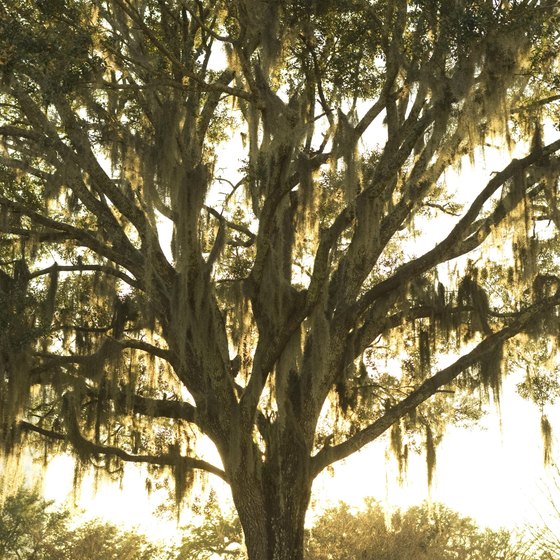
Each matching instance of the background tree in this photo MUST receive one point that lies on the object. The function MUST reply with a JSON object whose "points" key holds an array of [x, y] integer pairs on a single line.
{"points": [[31, 529], [28, 528], [104, 541], [426, 531], [153, 290], [217, 534]]}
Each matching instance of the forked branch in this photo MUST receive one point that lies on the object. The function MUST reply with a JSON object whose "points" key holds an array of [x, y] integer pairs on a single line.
{"points": [[448, 248]]}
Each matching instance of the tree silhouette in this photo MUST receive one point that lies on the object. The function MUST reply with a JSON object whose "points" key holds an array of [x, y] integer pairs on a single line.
{"points": [[292, 152]]}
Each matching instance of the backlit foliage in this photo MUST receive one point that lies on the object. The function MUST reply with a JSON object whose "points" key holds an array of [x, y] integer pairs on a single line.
{"points": [[254, 221], [31, 528], [425, 531]]}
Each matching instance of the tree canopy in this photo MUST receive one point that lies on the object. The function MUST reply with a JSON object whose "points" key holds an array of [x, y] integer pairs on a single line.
{"points": [[213, 219], [27, 529]]}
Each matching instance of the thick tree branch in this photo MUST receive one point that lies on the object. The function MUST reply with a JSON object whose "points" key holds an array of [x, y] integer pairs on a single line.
{"points": [[108, 348], [144, 346], [147, 406], [209, 30], [125, 401], [26, 167], [321, 264], [29, 427], [536, 104], [36, 235], [18, 132], [329, 455], [363, 252], [448, 247], [375, 110], [75, 437], [232, 225], [86, 268], [81, 237]]}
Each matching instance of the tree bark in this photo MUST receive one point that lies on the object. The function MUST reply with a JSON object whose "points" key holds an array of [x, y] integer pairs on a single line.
{"points": [[275, 531], [272, 505]]}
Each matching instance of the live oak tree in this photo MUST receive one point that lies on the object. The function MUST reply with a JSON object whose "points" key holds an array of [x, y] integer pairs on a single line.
{"points": [[211, 218], [28, 528]]}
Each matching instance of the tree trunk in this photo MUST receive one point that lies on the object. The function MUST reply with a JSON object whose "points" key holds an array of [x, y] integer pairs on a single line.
{"points": [[275, 531], [285, 517], [272, 504]]}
